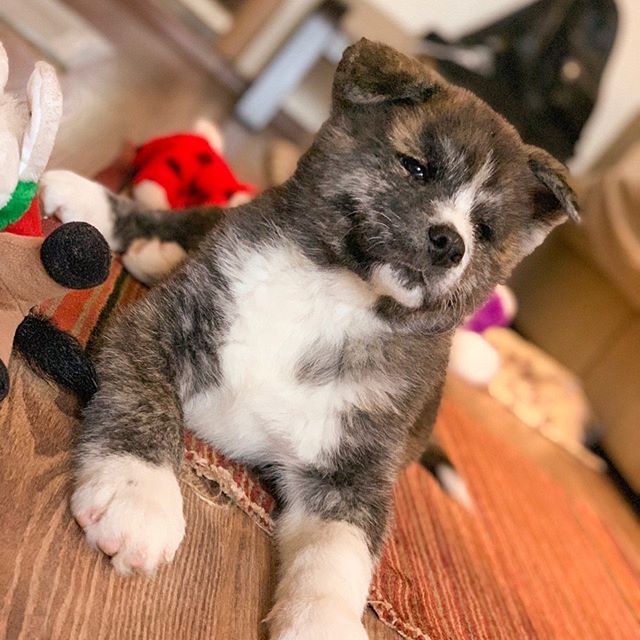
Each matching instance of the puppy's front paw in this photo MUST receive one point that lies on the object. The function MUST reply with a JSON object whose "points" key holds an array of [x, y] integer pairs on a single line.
{"points": [[315, 619], [72, 198], [130, 509], [151, 260]]}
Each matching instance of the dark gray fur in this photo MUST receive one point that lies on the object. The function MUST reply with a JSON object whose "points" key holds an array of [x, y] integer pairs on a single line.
{"points": [[349, 206], [187, 228], [321, 364]]}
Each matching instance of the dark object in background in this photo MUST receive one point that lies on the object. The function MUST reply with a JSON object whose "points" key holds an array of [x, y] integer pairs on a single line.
{"points": [[618, 478], [73, 256], [57, 355], [539, 67]]}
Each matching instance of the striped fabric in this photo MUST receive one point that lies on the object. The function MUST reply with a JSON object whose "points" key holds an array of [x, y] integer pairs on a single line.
{"points": [[528, 562]]}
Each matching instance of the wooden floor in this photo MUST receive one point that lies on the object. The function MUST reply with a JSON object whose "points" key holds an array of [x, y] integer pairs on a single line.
{"points": [[149, 87], [52, 587]]}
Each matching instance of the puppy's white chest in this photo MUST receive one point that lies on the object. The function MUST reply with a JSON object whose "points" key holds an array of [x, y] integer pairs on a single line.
{"points": [[284, 307]]}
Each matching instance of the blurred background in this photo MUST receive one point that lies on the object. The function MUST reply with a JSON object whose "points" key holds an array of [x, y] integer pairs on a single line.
{"points": [[564, 72]]}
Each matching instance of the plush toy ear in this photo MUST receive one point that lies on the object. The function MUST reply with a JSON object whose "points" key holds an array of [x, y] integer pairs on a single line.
{"points": [[370, 73], [45, 105], [211, 133], [4, 68], [9, 146], [555, 199], [10, 163]]}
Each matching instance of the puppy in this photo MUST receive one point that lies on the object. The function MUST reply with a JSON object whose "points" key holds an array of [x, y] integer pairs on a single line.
{"points": [[308, 334]]}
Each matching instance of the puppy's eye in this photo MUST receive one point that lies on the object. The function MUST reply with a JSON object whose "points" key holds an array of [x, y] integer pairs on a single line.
{"points": [[485, 232], [414, 167]]}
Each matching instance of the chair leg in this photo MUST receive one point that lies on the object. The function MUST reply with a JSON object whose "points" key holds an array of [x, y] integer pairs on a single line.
{"points": [[305, 47]]}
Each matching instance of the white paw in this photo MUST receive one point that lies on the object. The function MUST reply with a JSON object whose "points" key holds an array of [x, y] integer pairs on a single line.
{"points": [[239, 198], [315, 619], [152, 260], [72, 198], [151, 195], [130, 509]]}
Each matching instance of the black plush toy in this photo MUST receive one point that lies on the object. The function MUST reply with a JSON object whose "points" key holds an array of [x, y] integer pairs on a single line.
{"points": [[33, 268]]}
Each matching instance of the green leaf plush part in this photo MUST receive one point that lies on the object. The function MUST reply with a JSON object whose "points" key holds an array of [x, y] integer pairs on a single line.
{"points": [[20, 201]]}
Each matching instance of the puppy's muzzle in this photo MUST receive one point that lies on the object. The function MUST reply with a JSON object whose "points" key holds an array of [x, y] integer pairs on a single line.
{"points": [[445, 245]]}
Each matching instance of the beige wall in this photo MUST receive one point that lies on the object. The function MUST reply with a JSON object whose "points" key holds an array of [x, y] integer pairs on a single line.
{"points": [[453, 18], [619, 99]]}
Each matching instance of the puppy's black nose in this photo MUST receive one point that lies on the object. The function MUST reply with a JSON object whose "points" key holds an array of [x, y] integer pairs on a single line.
{"points": [[446, 246]]}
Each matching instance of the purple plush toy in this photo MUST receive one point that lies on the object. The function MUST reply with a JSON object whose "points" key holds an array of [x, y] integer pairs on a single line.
{"points": [[472, 357]]}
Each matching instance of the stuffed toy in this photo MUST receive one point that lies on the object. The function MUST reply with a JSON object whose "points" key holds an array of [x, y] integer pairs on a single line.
{"points": [[472, 356], [186, 170], [173, 172], [33, 269]]}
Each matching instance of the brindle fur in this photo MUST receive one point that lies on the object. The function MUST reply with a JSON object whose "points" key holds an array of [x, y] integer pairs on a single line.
{"points": [[349, 207]]}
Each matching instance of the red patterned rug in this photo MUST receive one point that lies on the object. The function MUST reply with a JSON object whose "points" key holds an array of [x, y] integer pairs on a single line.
{"points": [[528, 562]]}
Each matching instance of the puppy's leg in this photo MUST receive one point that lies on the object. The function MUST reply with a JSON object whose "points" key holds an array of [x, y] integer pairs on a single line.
{"points": [[328, 541], [129, 508], [127, 497], [435, 460], [325, 571], [121, 220]]}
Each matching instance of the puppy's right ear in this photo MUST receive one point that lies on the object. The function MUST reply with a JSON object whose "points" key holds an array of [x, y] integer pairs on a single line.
{"points": [[371, 73]]}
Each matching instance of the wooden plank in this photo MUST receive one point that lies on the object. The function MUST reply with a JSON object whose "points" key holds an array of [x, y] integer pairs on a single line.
{"points": [[53, 586], [211, 13], [249, 19], [269, 38], [57, 31]]}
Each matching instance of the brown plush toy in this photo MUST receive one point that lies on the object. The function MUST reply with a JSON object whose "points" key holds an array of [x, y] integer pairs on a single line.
{"points": [[33, 269]]}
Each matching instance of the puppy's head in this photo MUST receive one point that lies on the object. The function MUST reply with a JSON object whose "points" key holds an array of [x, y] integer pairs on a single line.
{"points": [[439, 195]]}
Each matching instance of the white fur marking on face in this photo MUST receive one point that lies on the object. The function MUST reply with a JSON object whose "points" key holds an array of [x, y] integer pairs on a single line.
{"points": [[455, 160], [386, 283], [325, 571], [72, 198], [456, 211], [130, 509], [284, 306]]}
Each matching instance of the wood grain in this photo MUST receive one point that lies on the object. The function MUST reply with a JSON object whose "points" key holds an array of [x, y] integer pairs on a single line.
{"points": [[220, 585], [248, 20], [55, 587], [51, 585]]}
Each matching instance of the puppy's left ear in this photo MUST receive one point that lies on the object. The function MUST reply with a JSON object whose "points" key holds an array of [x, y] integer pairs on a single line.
{"points": [[553, 199], [371, 73]]}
